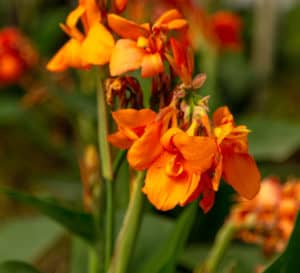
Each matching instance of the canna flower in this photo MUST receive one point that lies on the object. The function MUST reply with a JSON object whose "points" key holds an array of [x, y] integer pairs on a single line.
{"points": [[176, 174], [92, 46], [268, 219], [140, 132], [226, 30], [142, 46], [17, 55], [234, 163]]}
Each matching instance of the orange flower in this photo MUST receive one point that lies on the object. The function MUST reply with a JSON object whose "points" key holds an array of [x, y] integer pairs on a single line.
{"points": [[140, 132], [182, 61], [93, 46], [143, 46], [235, 164], [226, 28], [176, 174], [16, 55]]}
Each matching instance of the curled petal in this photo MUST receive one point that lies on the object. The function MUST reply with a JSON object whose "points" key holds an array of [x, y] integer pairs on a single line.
{"points": [[167, 139], [241, 172], [167, 17], [126, 56], [163, 191], [147, 148], [98, 45], [74, 16], [126, 28], [222, 116], [152, 65]]}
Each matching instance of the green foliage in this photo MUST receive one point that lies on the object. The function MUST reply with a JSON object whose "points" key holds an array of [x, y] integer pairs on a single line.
{"points": [[25, 239], [16, 267], [274, 140], [238, 258], [76, 222], [288, 261], [163, 259]]}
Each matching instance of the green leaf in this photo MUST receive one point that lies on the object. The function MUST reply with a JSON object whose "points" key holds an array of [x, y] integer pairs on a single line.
{"points": [[77, 222], [289, 260], [25, 239], [242, 258], [165, 258], [270, 139], [17, 267]]}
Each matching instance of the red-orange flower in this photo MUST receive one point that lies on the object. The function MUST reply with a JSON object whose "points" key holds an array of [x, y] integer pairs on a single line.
{"points": [[235, 164], [142, 46], [16, 55], [176, 174], [226, 29], [93, 46]]}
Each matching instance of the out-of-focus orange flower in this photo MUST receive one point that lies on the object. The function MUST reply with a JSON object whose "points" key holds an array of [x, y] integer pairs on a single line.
{"points": [[142, 46], [176, 174], [93, 46], [268, 219], [16, 55], [226, 29]]}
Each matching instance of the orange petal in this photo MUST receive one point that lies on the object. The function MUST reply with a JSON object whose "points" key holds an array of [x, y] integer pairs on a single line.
{"points": [[198, 151], [222, 116], [207, 200], [98, 45], [163, 191], [167, 139], [132, 118], [126, 28], [167, 17], [152, 65], [74, 16], [120, 5], [146, 149], [241, 172], [92, 14], [120, 140], [68, 56], [217, 174], [177, 24], [126, 56]]}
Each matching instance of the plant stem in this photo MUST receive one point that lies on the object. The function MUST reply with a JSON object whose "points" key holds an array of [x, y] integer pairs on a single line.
{"points": [[129, 230], [106, 167], [222, 241]]}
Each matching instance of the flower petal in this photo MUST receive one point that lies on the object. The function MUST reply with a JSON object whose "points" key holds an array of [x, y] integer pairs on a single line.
{"points": [[120, 140], [132, 118], [241, 172], [167, 17], [147, 148], [222, 116], [126, 28], [126, 56], [98, 45], [92, 14], [163, 191], [68, 56], [74, 16], [152, 65]]}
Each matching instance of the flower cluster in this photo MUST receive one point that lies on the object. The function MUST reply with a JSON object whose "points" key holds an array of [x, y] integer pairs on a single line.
{"points": [[184, 153], [269, 218], [16, 55]]}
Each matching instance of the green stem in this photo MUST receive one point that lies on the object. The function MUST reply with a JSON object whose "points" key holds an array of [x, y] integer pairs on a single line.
{"points": [[106, 167], [222, 241], [129, 230]]}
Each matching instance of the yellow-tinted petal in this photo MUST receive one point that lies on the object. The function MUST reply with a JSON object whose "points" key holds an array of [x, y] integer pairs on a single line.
{"points": [[152, 65], [98, 45], [241, 172], [126, 28], [126, 56], [74, 16], [146, 149], [163, 191], [68, 56], [177, 24], [92, 13]]}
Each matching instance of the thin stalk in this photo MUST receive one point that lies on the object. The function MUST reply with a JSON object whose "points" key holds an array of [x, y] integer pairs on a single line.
{"points": [[222, 241], [129, 230], [106, 167]]}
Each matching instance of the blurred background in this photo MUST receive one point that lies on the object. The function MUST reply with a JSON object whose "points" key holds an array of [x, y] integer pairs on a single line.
{"points": [[250, 50]]}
